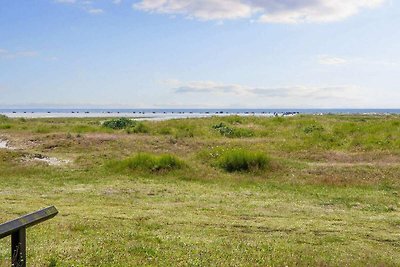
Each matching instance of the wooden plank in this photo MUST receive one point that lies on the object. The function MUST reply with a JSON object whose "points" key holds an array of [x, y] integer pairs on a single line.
{"points": [[27, 221], [18, 248]]}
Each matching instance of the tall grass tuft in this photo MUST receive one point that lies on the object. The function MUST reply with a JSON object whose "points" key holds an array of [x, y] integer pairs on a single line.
{"points": [[238, 160], [148, 162]]}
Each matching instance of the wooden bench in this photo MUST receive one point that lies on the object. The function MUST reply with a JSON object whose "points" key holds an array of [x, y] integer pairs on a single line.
{"points": [[17, 229]]}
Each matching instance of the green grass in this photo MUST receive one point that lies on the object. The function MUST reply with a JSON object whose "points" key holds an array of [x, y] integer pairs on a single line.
{"points": [[237, 160], [227, 131], [147, 162], [139, 127], [304, 191]]}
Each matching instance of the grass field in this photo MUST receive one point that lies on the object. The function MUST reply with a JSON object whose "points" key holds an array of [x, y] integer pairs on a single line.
{"points": [[221, 191]]}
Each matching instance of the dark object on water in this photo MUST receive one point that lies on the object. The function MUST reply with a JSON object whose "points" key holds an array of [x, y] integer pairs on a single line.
{"points": [[17, 229]]}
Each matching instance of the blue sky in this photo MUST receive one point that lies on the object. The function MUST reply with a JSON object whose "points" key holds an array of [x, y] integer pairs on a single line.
{"points": [[200, 53]]}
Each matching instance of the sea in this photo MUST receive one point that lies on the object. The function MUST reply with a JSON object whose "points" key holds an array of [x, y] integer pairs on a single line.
{"points": [[165, 114]]}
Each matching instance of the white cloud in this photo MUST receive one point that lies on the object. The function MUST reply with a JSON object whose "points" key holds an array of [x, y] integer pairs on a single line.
{"points": [[95, 11], [330, 60], [267, 11], [87, 5], [334, 60], [205, 10], [66, 1], [5, 54], [207, 87], [298, 92]]}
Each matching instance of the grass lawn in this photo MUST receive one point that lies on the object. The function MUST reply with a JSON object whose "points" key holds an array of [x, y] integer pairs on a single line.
{"points": [[298, 191]]}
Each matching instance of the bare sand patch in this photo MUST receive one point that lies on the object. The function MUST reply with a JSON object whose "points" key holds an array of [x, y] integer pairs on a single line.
{"points": [[52, 161]]}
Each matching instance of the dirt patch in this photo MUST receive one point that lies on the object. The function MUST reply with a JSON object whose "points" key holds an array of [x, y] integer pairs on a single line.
{"points": [[102, 137], [52, 161], [5, 144]]}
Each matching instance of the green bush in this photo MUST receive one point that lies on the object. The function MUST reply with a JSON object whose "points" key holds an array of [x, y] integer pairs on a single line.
{"points": [[118, 124], [148, 162], [232, 132], [138, 128]]}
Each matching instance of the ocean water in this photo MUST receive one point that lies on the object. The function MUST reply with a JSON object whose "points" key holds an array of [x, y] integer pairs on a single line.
{"points": [[163, 114]]}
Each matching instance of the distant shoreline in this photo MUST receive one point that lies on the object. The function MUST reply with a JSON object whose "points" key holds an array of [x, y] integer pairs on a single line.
{"points": [[164, 114]]}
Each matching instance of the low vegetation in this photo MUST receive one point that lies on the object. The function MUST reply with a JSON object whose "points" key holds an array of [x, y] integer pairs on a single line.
{"points": [[232, 132], [118, 124], [242, 160], [220, 191], [148, 162]]}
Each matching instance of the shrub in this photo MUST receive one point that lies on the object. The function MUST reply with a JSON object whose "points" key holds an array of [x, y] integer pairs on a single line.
{"points": [[148, 162], [118, 124], [232, 132], [138, 128]]}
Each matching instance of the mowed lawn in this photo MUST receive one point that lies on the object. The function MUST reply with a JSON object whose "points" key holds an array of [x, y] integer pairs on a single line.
{"points": [[322, 191]]}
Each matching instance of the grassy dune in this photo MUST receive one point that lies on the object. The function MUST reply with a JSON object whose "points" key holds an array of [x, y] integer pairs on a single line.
{"points": [[232, 191]]}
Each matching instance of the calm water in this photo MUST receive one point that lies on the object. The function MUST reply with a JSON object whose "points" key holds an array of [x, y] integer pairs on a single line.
{"points": [[161, 114]]}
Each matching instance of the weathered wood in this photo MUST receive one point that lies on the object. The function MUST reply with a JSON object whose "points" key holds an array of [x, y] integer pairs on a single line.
{"points": [[18, 248], [26, 221]]}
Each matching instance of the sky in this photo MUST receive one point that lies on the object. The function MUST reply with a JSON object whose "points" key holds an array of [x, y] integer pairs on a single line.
{"points": [[200, 53]]}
